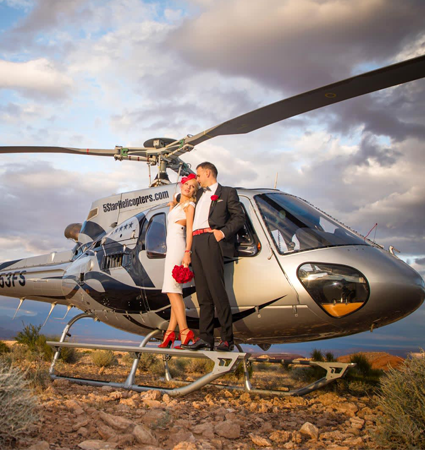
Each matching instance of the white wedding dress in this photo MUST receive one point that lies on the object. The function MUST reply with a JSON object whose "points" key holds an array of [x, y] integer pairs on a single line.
{"points": [[176, 245]]}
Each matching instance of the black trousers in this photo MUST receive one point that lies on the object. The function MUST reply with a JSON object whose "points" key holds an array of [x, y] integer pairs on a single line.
{"points": [[208, 267]]}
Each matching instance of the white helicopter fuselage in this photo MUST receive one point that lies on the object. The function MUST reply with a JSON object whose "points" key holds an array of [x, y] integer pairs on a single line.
{"points": [[299, 275]]}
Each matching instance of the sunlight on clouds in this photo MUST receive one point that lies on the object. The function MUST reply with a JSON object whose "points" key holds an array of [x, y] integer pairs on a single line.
{"points": [[34, 77]]}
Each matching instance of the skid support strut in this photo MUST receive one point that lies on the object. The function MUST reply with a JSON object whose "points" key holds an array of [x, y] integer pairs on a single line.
{"points": [[334, 370], [66, 333]]}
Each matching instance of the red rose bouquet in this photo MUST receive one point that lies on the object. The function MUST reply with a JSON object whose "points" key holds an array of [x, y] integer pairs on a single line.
{"points": [[182, 274]]}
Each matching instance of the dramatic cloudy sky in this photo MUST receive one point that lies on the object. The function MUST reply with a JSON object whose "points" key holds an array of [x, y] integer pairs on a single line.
{"points": [[100, 73]]}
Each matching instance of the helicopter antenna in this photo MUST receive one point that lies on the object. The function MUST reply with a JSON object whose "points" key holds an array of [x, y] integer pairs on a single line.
{"points": [[275, 181], [374, 227]]}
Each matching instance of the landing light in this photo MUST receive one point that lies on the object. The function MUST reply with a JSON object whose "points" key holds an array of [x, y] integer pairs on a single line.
{"points": [[339, 290]]}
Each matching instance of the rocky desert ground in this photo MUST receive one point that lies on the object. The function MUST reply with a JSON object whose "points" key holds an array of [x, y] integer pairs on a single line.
{"points": [[74, 417]]}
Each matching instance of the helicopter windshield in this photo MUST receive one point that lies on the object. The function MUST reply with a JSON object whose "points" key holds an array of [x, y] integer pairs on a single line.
{"points": [[296, 226]]}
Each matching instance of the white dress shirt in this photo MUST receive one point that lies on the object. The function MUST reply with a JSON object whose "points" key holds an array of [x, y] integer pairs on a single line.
{"points": [[203, 209]]}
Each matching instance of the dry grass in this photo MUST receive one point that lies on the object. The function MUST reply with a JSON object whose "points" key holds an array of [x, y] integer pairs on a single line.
{"points": [[18, 405], [402, 401]]}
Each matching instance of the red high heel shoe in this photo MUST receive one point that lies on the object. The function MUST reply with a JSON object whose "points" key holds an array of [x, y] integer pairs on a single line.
{"points": [[169, 338], [190, 336]]}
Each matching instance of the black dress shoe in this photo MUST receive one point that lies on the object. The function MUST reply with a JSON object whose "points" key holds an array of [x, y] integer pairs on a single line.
{"points": [[200, 344], [225, 346]]}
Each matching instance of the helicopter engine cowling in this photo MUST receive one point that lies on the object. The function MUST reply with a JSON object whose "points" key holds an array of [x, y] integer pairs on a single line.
{"points": [[72, 231]]}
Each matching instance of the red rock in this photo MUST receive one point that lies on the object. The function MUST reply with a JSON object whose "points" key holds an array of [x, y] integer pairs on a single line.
{"points": [[117, 422], [205, 429], [105, 432], [42, 445], [228, 429], [144, 435], [310, 430], [97, 445], [151, 395], [280, 437], [260, 441], [185, 446], [357, 423], [347, 408]]}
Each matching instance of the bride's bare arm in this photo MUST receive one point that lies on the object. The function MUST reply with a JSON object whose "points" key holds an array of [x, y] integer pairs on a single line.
{"points": [[190, 214]]}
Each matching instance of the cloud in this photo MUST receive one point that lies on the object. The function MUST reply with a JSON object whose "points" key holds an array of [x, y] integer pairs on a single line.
{"points": [[343, 34], [18, 4], [39, 78]]}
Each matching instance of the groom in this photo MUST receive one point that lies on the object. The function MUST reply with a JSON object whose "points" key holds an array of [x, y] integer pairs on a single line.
{"points": [[218, 217]]}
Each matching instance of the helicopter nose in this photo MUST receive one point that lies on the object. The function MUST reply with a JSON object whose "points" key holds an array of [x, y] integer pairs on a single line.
{"points": [[400, 291]]}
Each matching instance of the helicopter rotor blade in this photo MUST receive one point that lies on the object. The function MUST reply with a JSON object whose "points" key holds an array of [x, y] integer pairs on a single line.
{"points": [[366, 83], [80, 151], [119, 153]]}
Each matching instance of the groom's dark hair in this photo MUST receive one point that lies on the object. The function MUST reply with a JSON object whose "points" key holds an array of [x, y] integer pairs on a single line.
{"points": [[209, 166]]}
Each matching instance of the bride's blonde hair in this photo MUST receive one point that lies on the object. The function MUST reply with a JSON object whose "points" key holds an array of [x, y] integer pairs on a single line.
{"points": [[193, 198]]}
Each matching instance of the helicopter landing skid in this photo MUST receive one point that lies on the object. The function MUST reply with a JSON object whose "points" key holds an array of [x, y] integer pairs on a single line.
{"points": [[224, 362]]}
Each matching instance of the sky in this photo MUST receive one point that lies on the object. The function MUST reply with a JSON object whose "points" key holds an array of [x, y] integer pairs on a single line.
{"points": [[95, 74]]}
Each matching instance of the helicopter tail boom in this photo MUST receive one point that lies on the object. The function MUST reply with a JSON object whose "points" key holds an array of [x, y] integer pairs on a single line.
{"points": [[36, 278]]}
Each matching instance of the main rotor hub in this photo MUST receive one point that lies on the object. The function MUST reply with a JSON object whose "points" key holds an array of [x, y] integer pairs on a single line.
{"points": [[158, 142]]}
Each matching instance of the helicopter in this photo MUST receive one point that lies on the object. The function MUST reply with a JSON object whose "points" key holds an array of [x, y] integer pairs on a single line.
{"points": [[299, 274]]}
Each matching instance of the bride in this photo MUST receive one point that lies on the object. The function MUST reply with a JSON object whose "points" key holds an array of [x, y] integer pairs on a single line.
{"points": [[179, 243]]}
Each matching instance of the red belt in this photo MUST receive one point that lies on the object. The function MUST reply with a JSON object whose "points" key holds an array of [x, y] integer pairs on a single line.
{"points": [[202, 231]]}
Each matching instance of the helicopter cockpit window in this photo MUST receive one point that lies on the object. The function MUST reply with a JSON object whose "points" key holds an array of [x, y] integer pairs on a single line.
{"points": [[93, 213], [296, 226], [156, 237], [142, 236]]}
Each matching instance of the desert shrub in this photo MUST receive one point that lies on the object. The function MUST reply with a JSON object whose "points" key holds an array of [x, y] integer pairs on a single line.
{"points": [[178, 366], [103, 358], [37, 376], [67, 354], [17, 405], [4, 348], [35, 342], [402, 401], [200, 365], [148, 361], [362, 373], [317, 355], [313, 373], [267, 367], [310, 374], [19, 352], [128, 358], [28, 336], [239, 372]]}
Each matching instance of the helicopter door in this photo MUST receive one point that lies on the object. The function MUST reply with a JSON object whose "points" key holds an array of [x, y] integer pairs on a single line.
{"points": [[255, 278]]}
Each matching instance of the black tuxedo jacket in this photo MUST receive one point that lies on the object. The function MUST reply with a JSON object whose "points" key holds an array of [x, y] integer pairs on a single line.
{"points": [[226, 214]]}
